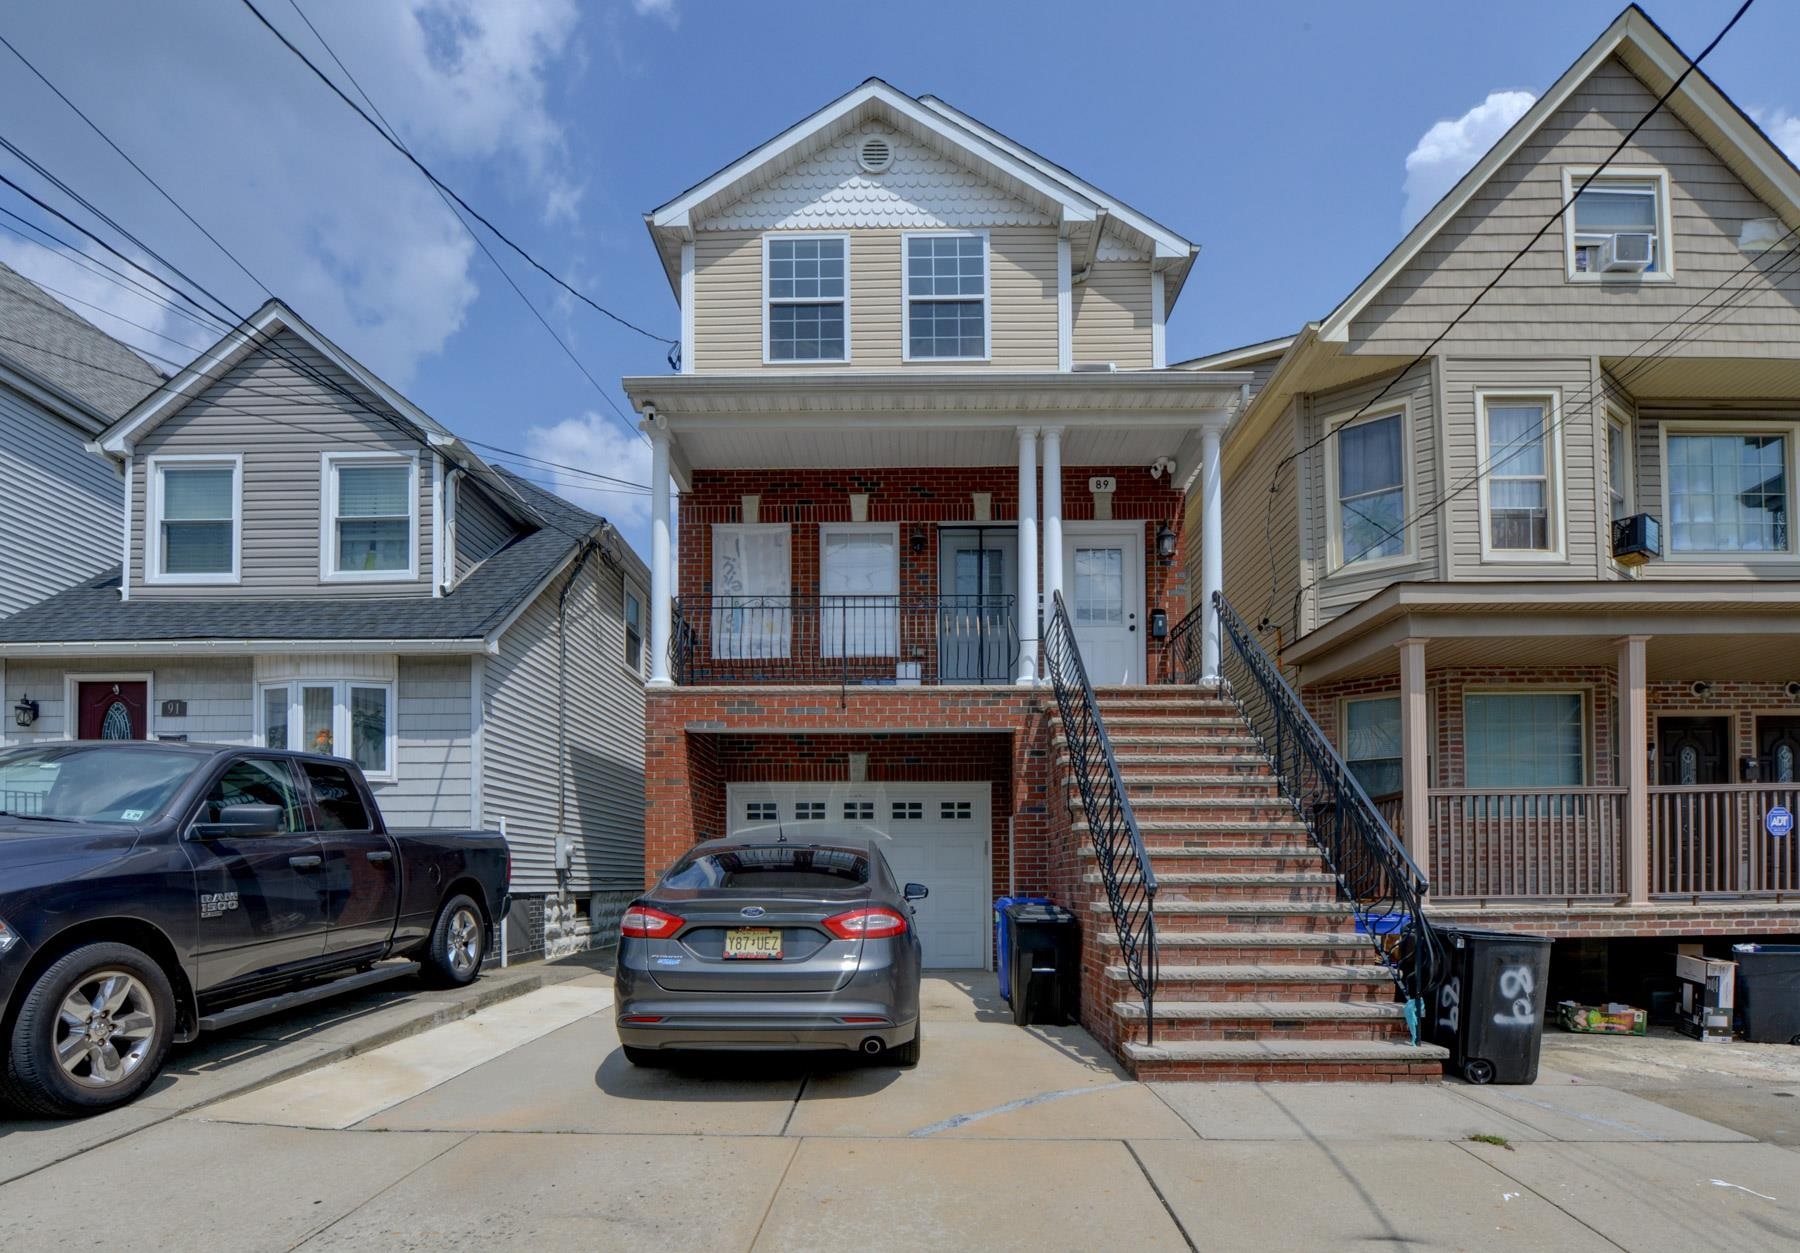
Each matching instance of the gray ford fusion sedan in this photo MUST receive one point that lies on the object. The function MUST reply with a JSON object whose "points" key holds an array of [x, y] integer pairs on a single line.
{"points": [[764, 943]]}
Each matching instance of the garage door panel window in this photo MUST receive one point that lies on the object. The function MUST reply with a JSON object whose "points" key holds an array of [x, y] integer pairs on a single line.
{"points": [[860, 586], [752, 611]]}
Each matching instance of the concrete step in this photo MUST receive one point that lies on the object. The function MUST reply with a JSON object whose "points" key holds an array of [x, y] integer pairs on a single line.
{"points": [[1264, 982], [1250, 947], [1369, 1061], [1225, 859], [1274, 1019], [1210, 831], [1150, 785], [1223, 763], [1291, 887], [1174, 916]]}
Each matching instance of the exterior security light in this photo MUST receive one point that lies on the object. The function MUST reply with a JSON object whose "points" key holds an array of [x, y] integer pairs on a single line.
{"points": [[25, 712], [1165, 542]]}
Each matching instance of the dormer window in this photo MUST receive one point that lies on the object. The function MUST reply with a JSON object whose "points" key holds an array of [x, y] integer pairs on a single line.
{"points": [[194, 507], [370, 517], [806, 309], [1618, 228], [946, 296]]}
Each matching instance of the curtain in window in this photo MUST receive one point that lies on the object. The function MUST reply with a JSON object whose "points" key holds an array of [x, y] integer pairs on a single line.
{"points": [[1371, 489], [1728, 493], [860, 584], [275, 716], [374, 517], [369, 728], [196, 520], [1519, 479], [751, 613], [1372, 743], [1523, 739]]}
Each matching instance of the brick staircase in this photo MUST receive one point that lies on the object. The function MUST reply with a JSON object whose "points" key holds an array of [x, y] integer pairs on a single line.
{"points": [[1263, 975]]}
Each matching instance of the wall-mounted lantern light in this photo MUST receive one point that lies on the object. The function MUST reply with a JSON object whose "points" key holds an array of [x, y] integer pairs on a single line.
{"points": [[25, 712], [918, 540], [1165, 542]]}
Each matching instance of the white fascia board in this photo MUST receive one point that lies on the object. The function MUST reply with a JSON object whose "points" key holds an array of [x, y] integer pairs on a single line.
{"points": [[492, 643], [1076, 206], [235, 647]]}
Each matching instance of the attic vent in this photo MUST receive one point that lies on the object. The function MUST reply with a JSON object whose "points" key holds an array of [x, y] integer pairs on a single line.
{"points": [[876, 154]]}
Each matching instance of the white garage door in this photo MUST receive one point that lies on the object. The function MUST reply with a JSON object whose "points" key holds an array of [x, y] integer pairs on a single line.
{"points": [[930, 833]]}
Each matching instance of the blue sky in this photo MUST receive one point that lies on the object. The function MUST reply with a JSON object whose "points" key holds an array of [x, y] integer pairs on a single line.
{"points": [[1277, 135]]}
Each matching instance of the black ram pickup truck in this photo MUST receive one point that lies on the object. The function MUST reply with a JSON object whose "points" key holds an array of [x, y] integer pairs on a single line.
{"points": [[149, 891]]}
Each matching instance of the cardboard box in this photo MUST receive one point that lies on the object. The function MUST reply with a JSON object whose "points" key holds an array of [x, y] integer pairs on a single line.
{"points": [[1613, 1019], [1708, 997]]}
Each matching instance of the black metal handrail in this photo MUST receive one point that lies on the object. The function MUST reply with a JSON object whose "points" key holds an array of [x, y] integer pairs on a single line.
{"points": [[1181, 651], [850, 640], [1118, 844], [1376, 877]]}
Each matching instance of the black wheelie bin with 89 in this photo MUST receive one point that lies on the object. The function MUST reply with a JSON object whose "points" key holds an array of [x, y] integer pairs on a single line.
{"points": [[1490, 1002]]}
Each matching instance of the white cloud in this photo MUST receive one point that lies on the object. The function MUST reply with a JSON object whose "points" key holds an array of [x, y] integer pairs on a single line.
{"points": [[596, 443], [1783, 127], [1449, 149], [662, 9]]}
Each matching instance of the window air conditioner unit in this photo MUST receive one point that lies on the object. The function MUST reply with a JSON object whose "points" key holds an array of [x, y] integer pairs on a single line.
{"points": [[1628, 252], [1095, 367], [1636, 539]]}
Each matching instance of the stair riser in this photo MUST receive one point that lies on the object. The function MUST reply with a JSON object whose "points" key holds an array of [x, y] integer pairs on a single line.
{"points": [[1263, 1029], [1289, 1072], [1290, 924], [1270, 954], [1245, 838], [1170, 990], [1246, 861], [1201, 893], [1145, 793]]}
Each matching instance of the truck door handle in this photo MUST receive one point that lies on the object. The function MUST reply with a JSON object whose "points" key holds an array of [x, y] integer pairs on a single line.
{"points": [[379, 855], [308, 862]]}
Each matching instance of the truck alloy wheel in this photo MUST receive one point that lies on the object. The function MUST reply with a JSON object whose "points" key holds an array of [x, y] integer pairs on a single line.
{"points": [[463, 941], [453, 955], [105, 1029]]}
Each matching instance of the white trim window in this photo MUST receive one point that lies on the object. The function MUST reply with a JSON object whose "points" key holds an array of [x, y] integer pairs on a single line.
{"points": [[944, 301], [859, 589], [194, 527], [1626, 201], [1621, 487], [631, 613], [1729, 491], [1372, 742], [806, 298], [1521, 492], [751, 585], [353, 718], [1369, 485], [369, 517]]}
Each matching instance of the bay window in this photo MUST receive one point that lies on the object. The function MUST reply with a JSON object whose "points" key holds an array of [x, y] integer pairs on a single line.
{"points": [[946, 296], [192, 528], [1369, 487], [806, 303], [859, 585], [1728, 492], [351, 718], [370, 517], [751, 585], [1520, 492]]}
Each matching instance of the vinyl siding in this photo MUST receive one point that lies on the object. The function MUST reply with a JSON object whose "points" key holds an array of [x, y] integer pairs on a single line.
{"points": [[217, 692], [481, 528], [728, 311], [1536, 310], [1335, 592], [282, 421], [1262, 533], [59, 505], [432, 725], [1111, 315], [602, 721], [1575, 381]]}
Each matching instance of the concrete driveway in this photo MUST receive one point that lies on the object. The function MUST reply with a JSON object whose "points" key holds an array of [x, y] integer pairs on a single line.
{"points": [[523, 1124]]}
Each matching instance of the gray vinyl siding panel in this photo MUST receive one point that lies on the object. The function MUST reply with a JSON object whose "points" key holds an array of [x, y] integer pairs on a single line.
{"points": [[481, 528], [217, 692], [1335, 591], [601, 728], [282, 421], [1261, 568], [432, 727], [59, 505], [1580, 429], [1536, 309]]}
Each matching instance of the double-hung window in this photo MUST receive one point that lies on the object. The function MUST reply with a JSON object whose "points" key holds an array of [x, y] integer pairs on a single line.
{"points": [[1619, 486], [369, 517], [1618, 228], [1369, 481], [351, 718], [1372, 743], [859, 584], [751, 583], [195, 510], [633, 614], [1728, 492], [806, 307], [1520, 489], [946, 296]]}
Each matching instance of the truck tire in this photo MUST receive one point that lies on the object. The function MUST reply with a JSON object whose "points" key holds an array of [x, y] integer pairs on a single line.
{"points": [[91, 1033], [458, 944]]}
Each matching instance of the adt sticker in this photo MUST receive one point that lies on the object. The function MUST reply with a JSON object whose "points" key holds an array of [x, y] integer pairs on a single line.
{"points": [[1778, 821]]}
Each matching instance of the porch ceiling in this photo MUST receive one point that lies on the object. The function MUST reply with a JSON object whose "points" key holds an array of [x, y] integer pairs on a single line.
{"points": [[1710, 378], [752, 446]]}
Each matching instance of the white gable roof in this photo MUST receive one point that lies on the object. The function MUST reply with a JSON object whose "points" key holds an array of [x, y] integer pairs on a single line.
{"points": [[1648, 53]]}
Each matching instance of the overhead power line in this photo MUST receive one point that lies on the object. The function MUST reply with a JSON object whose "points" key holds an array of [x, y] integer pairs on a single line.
{"points": [[450, 191]]}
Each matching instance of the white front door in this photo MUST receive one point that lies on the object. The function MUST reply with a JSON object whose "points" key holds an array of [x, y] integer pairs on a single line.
{"points": [[930, 833], [1103, 586]]}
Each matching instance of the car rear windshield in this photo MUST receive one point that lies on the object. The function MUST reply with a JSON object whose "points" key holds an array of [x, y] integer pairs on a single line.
{"points": [[772, 866], [92, 783]]}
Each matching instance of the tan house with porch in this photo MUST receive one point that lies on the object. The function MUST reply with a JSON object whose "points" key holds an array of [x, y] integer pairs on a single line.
{"points": [[1537, 577]]}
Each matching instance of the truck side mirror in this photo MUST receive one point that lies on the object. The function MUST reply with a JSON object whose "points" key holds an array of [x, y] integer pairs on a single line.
{"points": [[240, 820]]}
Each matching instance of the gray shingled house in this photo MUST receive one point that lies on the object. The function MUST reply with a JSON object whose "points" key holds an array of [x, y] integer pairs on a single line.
{"points": [[311, 561]]}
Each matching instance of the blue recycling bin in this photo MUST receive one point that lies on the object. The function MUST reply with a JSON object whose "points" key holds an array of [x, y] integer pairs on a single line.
{"points": [[1003, 938]]}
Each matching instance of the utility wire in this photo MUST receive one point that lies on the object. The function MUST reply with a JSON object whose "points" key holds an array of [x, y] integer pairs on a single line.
{"points": [[499, 234]]}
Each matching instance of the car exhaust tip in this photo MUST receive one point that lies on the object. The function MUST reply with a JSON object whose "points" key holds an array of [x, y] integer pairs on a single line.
{"points": [[872, 1045]]}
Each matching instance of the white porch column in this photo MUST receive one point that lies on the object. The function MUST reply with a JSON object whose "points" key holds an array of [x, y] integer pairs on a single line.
{"points": [[1053, 533], [1634, 762], [662, 582], [1212, 560], [1415, 756], [1028, 552]]}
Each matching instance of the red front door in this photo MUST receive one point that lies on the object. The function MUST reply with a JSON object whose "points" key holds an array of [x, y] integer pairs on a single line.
{"points": [[112, 710]]}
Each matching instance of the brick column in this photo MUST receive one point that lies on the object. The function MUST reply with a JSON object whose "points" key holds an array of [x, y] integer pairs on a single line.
{"points": [[1415, 755], [1634, 764]]}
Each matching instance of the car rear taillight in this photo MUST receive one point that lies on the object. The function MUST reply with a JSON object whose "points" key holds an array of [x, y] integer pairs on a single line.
{"points": [[643, 923], [868, 924]]}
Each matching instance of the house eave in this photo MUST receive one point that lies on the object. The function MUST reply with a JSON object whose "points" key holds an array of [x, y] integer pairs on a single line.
{"points": [[239, 647]]}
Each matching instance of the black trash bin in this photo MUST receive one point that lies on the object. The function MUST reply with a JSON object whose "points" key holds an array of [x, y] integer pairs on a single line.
{"points": [[1490, 1004], [1044, 946], [1768, 991]]}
